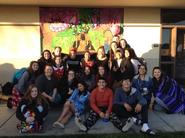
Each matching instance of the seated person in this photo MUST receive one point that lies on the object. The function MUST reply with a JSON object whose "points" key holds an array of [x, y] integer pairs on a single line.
{"points": [[101, 107], [31, 111], [168, 93], [129, 103], [74, 105], [143, 83], [28, 77], [47, 84]]}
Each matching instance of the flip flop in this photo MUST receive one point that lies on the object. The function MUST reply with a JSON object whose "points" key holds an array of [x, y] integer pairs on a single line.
{"points": [[148, 132]]}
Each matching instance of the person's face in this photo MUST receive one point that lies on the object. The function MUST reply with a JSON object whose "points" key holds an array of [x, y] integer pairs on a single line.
{"points": [[118, 55], [87, 70], [34, 92], [87, 55], [123, 43], [57, 51], [114, 46], [58, 60], [72, 54], [81, 87], [71, 75], [101, 70], [142, 70], [115, 38], [101, 52], [126, 84], [127, 54], [48, 71], [157, 73], [46, 55], [35, 66], [101, 84]]}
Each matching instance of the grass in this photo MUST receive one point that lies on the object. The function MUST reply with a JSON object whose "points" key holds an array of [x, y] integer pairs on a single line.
{"points": [[160, 135]]}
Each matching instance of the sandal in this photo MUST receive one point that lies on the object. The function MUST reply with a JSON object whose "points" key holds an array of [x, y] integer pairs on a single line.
{"points": [[148, 132]]}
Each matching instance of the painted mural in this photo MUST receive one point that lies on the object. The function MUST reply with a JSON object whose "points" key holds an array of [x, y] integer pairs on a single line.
{"points": [[80, 28]]}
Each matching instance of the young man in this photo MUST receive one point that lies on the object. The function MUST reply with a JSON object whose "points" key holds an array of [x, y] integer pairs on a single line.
{"points": [[128, 103], [101, 107]]}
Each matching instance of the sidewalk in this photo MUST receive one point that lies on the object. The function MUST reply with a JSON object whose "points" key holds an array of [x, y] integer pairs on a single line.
{"points": [[159, 122]]}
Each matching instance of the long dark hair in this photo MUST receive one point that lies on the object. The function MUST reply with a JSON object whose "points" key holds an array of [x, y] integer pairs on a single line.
{"points": [[84, 92]]}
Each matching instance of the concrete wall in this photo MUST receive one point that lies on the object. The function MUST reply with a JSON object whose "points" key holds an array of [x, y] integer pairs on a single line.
{"points": [[142, 31], [19, 39]]}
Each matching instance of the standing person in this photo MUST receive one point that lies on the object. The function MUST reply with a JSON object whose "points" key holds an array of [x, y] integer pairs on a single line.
{"points": [[101, 108], [127, 67], [73, 62], [101, 59], [143, 83], [31, 111], [75, 105], [87, 61], [46, 58], [48, 85], [58, 52], [167, 92], [58, 67], [116, 70], [19, 89], [128, 103]]}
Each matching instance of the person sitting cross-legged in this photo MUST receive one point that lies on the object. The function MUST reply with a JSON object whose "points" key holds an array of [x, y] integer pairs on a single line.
{"points": [[101, 107], [129, 103]]}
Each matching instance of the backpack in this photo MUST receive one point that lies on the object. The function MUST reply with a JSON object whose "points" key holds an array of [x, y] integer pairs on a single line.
{"points": [[17, 75], [7, 88]]}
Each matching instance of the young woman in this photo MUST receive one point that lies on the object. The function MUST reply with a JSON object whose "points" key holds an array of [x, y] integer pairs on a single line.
{"points": [[103, 73], [46, 58], [101, 59], [67, 85], [74, 105], [88, 77], [19, 89], [167, 92], [143, 83], [87, 61], [127, 67], [31, 111], [58, 68]]}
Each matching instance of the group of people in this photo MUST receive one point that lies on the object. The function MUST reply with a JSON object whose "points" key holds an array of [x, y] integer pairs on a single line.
{"points": [[115, 84]]}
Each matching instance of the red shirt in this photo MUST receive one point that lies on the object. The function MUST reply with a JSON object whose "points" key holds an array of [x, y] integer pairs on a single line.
{"points": [[101, 98]]}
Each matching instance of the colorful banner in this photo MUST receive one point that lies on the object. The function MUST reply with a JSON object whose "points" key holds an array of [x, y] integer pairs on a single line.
{"points": [[80, 28]]}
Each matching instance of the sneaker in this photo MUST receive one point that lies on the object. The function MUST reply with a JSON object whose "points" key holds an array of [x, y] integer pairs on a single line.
{"points": [[128, 125], [137, 121], [79, 123], [58, 124]]}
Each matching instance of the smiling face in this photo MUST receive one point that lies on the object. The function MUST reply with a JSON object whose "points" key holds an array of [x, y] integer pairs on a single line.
{"points": [[35, 66], [81, 87], [101, 83], [48, 70], [47, 55], [157, 73], [126, 85], [142, 70], [34, 92]]}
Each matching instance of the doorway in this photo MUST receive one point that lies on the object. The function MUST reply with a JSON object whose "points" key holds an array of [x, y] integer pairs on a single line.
{"points": [[172, 52]]}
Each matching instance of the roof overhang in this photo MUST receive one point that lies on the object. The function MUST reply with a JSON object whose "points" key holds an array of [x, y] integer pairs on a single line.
{"points": [[99, 3]]}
